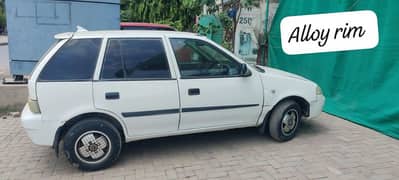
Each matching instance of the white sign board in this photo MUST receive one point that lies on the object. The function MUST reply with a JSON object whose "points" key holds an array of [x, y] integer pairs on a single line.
{"points": [[246, 38], [329, 32]]}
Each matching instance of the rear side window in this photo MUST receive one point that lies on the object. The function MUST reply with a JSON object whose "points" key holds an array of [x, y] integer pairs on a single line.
{"points": [[74, 61], [135, 59]]}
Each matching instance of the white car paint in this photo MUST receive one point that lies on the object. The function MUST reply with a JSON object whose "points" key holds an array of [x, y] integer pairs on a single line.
{"points": [[60, 102]]}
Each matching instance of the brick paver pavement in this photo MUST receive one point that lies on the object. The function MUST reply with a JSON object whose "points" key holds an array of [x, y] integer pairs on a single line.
{"points": [[327, 147]]}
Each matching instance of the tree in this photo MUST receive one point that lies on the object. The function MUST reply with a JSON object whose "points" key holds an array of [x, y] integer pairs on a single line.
{"points": [[238, 5], [180, 14], [2, 16], [233, 9], [228, 30]]}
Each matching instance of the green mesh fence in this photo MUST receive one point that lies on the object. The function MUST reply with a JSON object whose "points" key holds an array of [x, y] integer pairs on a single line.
{"points": [[362, 85]]}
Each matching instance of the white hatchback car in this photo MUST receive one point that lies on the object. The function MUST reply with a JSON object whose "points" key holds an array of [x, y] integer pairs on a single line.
{"points": [[95, 90]]}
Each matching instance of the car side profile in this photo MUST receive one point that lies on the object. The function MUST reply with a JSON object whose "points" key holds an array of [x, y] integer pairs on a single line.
{"points": [[96, 90]]}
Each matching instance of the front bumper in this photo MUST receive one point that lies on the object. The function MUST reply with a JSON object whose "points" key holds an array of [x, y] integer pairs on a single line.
{"points": [[36, 129], [316, 107]]}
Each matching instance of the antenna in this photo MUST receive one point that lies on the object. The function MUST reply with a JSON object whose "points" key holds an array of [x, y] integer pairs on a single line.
{"points": [[80, 29]]}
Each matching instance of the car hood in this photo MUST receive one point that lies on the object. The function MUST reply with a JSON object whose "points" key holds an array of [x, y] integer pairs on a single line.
{"points": [[277, 72]]}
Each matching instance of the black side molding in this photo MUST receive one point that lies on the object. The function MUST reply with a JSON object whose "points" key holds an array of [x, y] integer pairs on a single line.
{"points": [[150, 113], [191, 109], [210, 108]]}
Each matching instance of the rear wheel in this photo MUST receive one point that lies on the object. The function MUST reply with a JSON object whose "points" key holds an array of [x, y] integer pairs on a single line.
{"points": [[284, 120], [92, 144]]}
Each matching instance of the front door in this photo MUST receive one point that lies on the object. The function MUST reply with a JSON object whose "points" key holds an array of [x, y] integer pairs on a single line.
{"points": [[212, 92], [136, 84]]}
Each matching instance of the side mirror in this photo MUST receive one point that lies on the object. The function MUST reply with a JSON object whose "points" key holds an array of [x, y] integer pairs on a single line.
{"points": [[244, 71]]}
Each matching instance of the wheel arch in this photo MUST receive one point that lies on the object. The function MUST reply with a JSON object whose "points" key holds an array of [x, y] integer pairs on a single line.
{"points": [[302, 102], [61, 131]]}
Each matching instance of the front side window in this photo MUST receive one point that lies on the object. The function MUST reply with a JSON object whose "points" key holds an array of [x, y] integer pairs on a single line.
{"points": [[74, 61], [197, 58], [135, 59]]}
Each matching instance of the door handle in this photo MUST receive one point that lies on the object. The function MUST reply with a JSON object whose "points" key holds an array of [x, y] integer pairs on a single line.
{"points": [[193, 91], [111, 95]]}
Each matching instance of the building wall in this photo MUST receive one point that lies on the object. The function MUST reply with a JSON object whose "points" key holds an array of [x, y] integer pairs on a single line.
{"points": [[32, 25]]}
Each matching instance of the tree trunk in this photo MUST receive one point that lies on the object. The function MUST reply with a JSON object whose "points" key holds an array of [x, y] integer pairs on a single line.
{"points": [[235, 24]]}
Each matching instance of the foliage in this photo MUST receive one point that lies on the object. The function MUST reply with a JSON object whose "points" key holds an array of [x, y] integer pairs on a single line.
{"points": [[2, 15], [2, 21], [239, 5], [228, 45], [230, 24], [228, 28], [180, 14]]}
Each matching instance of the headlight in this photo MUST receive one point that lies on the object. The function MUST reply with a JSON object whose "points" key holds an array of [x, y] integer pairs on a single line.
{"points": [[319, 91], [34, 106]]}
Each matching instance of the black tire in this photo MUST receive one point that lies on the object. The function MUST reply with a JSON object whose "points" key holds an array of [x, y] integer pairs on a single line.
{"points": [[284, 130], [92, 144]]}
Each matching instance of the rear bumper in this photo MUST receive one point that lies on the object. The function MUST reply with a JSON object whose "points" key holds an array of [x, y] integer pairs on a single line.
{"points": [[316, 107], [37, 130]]}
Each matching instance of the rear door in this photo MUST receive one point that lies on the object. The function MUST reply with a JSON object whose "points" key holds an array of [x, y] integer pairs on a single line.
{"points": [[137, 84]]}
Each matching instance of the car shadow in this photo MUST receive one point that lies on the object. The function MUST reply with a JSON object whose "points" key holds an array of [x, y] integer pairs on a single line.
{"points": [[312, 128], [187, 149], [200, 140], [210, 142]]}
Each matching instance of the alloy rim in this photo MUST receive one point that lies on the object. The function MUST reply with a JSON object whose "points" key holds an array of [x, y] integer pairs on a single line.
{"points": [[93, 147], [289, 122]]}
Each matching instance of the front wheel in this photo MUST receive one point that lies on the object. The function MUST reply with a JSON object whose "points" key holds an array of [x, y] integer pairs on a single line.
{"points": [[92, 144], [284, 120]]}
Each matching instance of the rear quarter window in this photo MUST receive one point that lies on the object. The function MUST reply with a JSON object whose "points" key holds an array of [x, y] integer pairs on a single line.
{"points": [[74, 61]]}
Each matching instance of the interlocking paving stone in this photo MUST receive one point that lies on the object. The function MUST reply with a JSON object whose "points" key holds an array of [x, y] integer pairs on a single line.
{"points": [[325, 148]]}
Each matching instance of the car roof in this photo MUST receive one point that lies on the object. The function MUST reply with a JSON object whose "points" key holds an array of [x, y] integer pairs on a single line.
{"points": [[122, 33], [142, 24]]}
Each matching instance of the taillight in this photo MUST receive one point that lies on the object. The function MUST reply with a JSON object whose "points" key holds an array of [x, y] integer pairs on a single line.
{"points": [[34, 106]]}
